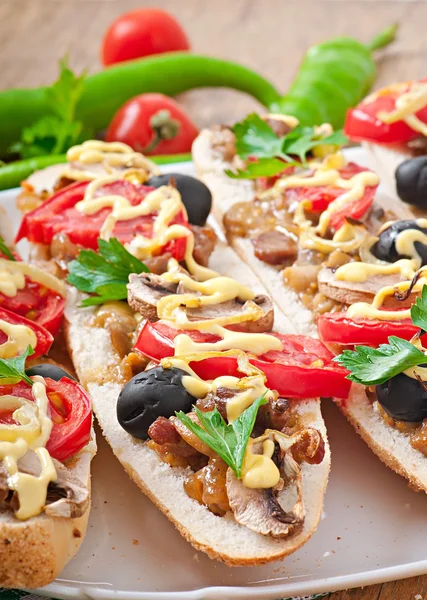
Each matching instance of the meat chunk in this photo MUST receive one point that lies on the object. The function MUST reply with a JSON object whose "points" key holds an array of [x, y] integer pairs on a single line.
{"points": [[275, 247], [162, 432], [204, 243], [224, 142]]}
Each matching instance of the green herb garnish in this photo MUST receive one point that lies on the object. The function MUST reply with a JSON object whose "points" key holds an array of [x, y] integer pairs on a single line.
{"points": [[54, 134], [419, 310], [229, 441], [105, 274], [255, 138], [14, 368], [5, 250]]}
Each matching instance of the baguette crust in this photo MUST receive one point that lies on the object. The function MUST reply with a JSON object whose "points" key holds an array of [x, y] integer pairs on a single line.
{"points": [[390, 445], [221, 538], [34, 552]]}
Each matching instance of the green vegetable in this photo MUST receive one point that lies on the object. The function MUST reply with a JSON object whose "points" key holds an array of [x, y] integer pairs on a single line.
{"points": [[419, 311], [5, 250], [229, 441], [53, 134], [372, 366], [254, 137], [13, 173], [105, 274], [14, 368], [333, 77]]}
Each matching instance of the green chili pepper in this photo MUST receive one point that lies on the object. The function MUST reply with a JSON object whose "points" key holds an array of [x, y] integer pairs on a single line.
{"points": [[105, 92], [13, 173], [333, 77]]}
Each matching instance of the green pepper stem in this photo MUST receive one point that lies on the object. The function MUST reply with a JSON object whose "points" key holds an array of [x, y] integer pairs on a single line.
{"points": [[384, 38]]}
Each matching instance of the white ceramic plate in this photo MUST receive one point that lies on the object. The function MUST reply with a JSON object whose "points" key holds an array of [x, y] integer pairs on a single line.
{"points": [[373, 529]]}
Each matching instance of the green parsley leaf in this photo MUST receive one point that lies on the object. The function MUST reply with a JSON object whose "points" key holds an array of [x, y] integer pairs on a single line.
{"points": [[105, 274], [54, 134], [14, 368], [419, 310], [5, 250], [264, 167], [254, 137], [371, 366], [229, 441]]}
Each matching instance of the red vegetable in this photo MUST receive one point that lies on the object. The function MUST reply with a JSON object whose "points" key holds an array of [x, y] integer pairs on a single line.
{"points": [[71, 413], [44, 338], [363, 124], [321, 196], [303, 369], [59, 215], [337, 328], [140, 33], [153, 124]]}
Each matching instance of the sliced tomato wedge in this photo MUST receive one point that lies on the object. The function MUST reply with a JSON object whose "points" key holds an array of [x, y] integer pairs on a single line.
{"points": [[71, 413], [337, 328], [36, 303], [321, 197], [363, 124], [44, 338], [303, 369], [59, 215]]}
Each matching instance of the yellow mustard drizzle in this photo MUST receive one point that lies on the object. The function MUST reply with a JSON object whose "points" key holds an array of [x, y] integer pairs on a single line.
{"points": [[259, 471], [19, 337], [407, 105], [31, 433], [111, 155], [12, 278]]}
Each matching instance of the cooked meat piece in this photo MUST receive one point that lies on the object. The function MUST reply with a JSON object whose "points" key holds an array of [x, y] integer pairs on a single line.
{"points": [[224, 142], [158, 264], [146, 289], [162, 432], [204, 243], [349, 292], [418, 146], [279, 126], [63, 251], [309, 448], [189, 437], [274, 415], [275, 247], [208, 486], [66, 497], [243, 218], [218, 400], [120, 321], [301, 277]]}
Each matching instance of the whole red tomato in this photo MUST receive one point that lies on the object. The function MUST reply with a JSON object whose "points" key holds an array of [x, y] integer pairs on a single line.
{"points": [[140, 33], [153, 124]]}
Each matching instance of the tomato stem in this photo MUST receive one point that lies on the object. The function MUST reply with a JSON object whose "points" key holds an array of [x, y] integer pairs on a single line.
{"points": [[384, 38]]}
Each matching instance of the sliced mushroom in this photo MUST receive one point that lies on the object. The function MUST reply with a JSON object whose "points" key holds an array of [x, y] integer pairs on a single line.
{"points": [[348, 292], [67, 497], [263, 510], [146, 289]]}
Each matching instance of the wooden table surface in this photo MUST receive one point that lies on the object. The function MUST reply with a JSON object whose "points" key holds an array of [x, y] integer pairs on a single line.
{"points": [[268, 35]]}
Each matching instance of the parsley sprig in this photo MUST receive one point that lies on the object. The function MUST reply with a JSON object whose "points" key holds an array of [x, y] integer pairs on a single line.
{"points": [[373, 366], [228, 440], [5, 250], [255, 138], [14, 368], [105, 274], [55, 133]]}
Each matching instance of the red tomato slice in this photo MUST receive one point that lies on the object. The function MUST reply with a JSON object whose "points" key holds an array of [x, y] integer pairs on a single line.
{"points": [[337, 328], [59, 215], [36, 303], [44, 338], [362, 123], [71, 413], [320, 197], [303, 369]]}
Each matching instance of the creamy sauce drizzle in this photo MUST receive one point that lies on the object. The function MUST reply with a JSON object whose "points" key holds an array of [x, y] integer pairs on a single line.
{"points": [[19, 337], [12, 278], [407, 105]]}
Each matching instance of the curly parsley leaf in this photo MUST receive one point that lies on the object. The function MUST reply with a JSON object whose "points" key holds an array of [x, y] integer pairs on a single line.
{"points": [[255, 138], [105, 274], [55, 133], [228, 440], [5, 250], [14, 368], [373, 366], [419, 310]]}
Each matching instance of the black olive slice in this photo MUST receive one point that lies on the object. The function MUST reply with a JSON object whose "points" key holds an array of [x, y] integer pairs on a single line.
{"points": [[403, 398], [47, 370]]}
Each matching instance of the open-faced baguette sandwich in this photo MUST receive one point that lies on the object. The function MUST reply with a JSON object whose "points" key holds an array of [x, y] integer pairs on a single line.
{"points": [[46, 438], [391, 124], [214, 416], [359, 278]]}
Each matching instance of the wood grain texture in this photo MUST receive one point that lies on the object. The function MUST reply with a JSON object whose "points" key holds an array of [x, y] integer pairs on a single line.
{"points": [[267, 35]]}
